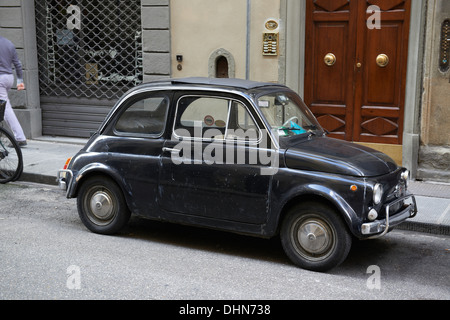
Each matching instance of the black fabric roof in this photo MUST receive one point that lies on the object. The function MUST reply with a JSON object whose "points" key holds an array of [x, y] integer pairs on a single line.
{"points": [[225, 82]]}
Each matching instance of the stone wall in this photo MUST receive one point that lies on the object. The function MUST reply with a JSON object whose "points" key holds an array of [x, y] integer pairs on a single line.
{"points": [[434, 154], [156, 39], [17, 24]]}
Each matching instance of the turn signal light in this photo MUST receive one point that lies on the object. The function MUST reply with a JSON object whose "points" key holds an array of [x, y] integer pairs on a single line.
{"points": [[373, 214], [67, 163]]}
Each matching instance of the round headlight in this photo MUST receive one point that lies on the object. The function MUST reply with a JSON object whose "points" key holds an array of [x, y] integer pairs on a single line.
{"points": [[377, 193], [405, 175]]}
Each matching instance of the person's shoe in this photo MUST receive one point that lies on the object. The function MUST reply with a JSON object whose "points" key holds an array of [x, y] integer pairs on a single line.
{"points": [[21, 144]]}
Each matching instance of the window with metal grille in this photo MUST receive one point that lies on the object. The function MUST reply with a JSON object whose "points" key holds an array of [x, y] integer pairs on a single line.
{"points": [[88, 48]]}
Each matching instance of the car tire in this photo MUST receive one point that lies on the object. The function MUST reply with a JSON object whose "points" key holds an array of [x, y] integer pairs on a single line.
{"points": [[315, 237], [101, 206]]}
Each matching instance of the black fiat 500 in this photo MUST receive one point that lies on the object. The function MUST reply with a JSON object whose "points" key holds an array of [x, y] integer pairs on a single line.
{"points": [[236, 155]]}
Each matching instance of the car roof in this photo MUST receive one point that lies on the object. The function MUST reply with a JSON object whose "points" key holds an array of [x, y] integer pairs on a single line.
{"points": [[217, 82]]}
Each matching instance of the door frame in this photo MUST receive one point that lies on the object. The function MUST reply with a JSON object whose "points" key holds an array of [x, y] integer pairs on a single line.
{"points": [[293, 14]]}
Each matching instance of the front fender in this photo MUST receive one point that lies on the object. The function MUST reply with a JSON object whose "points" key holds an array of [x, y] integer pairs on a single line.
{"points": [[317, 191], [348, 213]]}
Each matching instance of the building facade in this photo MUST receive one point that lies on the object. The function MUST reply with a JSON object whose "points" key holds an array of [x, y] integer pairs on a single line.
{"points": [[374, 72], [434, 116]]}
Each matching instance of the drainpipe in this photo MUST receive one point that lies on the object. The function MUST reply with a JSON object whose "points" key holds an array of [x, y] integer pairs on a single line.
{"points": [[247, 59]]}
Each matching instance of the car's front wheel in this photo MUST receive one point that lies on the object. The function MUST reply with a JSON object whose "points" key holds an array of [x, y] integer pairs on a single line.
{"points": [[314, 237], [101, 205]]}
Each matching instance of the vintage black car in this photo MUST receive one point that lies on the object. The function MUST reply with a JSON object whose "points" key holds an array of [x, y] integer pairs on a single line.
{"points": [[236, 155]]}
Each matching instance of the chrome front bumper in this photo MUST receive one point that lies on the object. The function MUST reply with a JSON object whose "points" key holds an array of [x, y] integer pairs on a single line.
{"points": [[63, 178], [380, 227]]}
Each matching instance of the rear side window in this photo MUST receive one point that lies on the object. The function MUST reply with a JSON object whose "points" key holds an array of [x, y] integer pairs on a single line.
{"points": [[146, 116]]}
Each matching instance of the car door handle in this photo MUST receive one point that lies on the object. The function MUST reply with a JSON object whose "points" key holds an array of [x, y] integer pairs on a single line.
{"points": [[171, 150]]}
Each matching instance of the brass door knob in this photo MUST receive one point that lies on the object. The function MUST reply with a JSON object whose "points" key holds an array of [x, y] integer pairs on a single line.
{"points": [[382, 60], [330, 59]]}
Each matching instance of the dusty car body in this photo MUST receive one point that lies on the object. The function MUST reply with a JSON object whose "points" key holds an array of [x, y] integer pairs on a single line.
{"points": [[240, 156]]}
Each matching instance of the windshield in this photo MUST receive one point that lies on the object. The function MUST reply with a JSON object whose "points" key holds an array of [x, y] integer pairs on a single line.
{"points": [[286, 112]]}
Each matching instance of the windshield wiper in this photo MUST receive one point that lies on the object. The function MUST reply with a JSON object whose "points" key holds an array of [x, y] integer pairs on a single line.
{"points": [[311, 133]]}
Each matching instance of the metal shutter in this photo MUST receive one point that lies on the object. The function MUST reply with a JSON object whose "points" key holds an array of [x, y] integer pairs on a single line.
{"points": [[89, 54]]}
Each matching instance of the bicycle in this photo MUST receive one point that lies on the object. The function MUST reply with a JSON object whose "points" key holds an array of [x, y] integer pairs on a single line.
{"points": [[11, 160]]}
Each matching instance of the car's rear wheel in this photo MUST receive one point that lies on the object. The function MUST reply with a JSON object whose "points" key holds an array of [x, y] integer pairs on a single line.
{"points": [[101, 205], [314, 237]]}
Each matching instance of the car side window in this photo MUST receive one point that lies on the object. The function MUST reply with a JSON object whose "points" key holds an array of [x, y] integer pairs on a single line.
{"points": [[144, 117], [214, 117], [198, 117], [241, 125]]}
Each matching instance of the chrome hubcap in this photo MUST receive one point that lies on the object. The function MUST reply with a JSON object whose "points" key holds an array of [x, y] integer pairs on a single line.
{"points": [[101, 207], [313, 237]]}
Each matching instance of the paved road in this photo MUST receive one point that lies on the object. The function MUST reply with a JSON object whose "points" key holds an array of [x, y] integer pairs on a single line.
{"points": [[46, 253]]}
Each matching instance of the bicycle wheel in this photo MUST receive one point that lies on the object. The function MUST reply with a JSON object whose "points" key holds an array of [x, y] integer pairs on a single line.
{"points": [[11, 162]]}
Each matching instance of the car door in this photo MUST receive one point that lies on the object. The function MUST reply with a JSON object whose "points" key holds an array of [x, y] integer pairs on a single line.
{"points": [[133, 141], [210, 167]]}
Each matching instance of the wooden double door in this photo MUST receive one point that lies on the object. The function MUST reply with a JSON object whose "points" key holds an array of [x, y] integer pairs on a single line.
{"points": [[355, 67]]}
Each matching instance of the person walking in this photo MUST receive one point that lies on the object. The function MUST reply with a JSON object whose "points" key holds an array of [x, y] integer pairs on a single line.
{"points": [[8, 58]]}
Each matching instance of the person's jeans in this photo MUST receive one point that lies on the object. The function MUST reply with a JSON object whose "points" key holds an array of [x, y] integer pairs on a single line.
{"points": [[6, 83]]}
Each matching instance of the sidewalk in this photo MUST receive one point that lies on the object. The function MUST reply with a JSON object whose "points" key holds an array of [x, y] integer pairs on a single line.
{"points": [[44, 156]]}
